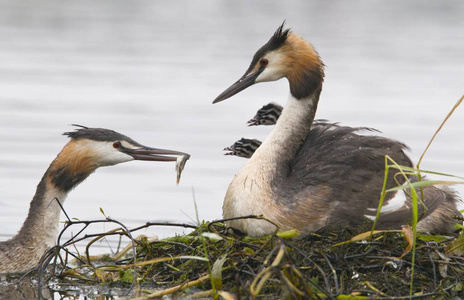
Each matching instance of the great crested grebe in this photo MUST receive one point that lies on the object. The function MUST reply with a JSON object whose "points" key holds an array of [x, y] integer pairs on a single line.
{"points": [[88, 149], [308, 179]]}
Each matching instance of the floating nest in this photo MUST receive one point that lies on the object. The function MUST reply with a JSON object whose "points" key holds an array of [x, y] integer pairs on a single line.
{"points": [[212, 261]]}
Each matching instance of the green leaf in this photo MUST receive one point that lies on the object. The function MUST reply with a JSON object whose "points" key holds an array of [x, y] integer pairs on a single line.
{"points": [[128, 276], [103, 213], [363, 236], [419, 184], [458, 287], [216, 272], [403, 168], [456, 247], [433, 238], [289, 234]]}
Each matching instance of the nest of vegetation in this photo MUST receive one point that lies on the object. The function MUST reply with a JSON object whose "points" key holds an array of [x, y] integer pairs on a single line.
{"points": [[214, 262]]}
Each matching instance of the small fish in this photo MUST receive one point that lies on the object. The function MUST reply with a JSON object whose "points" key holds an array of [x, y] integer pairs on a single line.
{"points": [[180, 163]]}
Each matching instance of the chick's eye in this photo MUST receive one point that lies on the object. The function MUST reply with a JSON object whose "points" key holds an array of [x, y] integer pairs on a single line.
{"points": [[263, 62], [117, 145]]}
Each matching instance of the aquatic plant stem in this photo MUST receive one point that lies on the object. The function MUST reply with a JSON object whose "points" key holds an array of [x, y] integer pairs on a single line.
{"points": [[439, 129], [419, 175], [174, 289], [205, 248]]}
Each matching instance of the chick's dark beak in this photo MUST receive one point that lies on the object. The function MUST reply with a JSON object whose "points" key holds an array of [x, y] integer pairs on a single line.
{"points": [[254, 121], [153, 154], [247, 80]]}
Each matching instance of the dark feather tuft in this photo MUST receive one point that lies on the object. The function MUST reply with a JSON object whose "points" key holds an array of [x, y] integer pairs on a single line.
{"points": [[277, 40], [98, 134]]}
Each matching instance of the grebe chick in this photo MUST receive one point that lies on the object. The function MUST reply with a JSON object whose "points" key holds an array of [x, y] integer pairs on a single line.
{"points": [[266, 115], [246, 147], [243, 147], [88, 149], [305, 179]]}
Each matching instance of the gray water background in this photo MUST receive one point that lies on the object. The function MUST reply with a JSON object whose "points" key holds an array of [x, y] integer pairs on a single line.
{"points": [[150, 70]]}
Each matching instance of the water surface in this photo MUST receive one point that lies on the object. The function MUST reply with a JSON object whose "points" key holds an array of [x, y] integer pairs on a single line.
{"points": [[150, 70]]}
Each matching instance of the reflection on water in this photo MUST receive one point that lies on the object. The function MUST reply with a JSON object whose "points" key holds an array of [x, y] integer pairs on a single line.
{"points": [[24, 290], [150, 70], [27, 288]]}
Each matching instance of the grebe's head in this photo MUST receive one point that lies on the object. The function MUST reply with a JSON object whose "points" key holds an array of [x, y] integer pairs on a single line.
{"points": [[91, 148], [105, 147], [285, 55]]}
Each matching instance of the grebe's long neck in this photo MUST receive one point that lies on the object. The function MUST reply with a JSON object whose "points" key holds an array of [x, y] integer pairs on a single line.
{"points": [[40, 229], [289, 133], [253, 190], [305, 73], [44, 214]]}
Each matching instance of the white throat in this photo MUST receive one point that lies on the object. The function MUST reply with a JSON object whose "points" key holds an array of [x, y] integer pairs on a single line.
{"points": [[51, 218], [251, 191]]}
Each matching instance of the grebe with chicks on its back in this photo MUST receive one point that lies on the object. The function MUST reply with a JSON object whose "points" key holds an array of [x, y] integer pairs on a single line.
{"points": [[307, 179], [266, 115]]}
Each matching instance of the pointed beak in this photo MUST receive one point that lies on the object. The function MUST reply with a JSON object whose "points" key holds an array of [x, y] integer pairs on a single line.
{"points": [[247, 80], [154, 154], [254, 121]]}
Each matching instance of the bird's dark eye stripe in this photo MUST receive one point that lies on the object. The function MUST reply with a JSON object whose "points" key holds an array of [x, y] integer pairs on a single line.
{"points": [[117, 145]]}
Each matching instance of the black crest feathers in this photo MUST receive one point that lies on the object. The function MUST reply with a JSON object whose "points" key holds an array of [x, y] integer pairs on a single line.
{"points": [[277, 40], [98, 134]]}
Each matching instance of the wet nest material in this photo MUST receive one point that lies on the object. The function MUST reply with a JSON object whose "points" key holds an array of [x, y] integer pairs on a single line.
{"points": [[212, 261]]}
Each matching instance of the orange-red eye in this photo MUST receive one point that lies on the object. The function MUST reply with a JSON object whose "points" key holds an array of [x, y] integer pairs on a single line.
{"points": [[264, 62], [117, 145]]}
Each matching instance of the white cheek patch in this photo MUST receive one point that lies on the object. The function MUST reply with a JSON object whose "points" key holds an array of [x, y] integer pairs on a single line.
{"points": [[106, 154], [274, 70], [269, 74], [114, 157]]}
